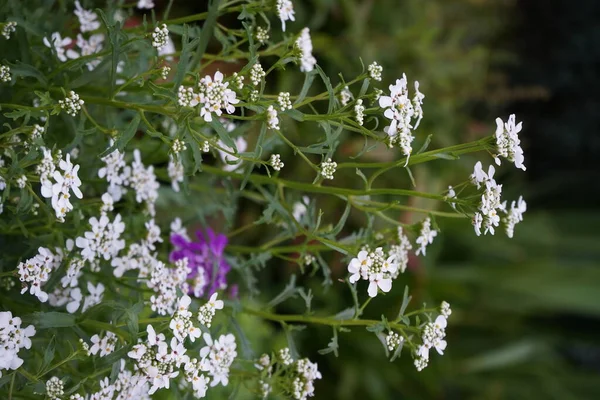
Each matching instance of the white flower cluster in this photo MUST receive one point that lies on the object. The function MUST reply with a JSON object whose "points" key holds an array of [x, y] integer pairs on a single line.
{"points": [[207, 311], [9, 28], [272, 119], [103, 345], [359, 112], [487, 216], [176, 172], [21, 181], [433, 335], [37, 132], [91, 46], [257, 73], [508, 142], [328, 168], [217, 357], [88, 20], [164, 72], [5, 74], [55, 388], [158, 361], [165, 282], [103, 240], [126, 386], [376, 268], [59, 44], [71, 104], [181, 322], [160, 37], [285, 12], [140, 179], [300, 208], [375, 71], [35, 272], [284, 101], [261, 35], [145, 4], [214, 96], [12, 339], [426, 236], [400, 251], [276, 162], [306, 372], [178, 146], [393, 340], [401, 112], [345, 96], [64, 183], [284, 356], [305, 46]]}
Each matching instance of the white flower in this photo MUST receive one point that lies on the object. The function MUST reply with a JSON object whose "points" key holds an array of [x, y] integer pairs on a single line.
{"points": [[262, 34], [359, 112], [285, 12], [167, 51], [74, 300], [445, 309], [393, 340], [207, 311], [91, 46], [55, 388], [232, 162], [9, 28], [375, 71], [508, 142], [176, 172], [257, 74], [400, 252], [272, 120], [35, 272], [328, 168], [345, 96], [21, 181], [425, 237], [5, 74], [305, 46], [215, 96], [160, 36], [104, 345], [479, 176], [13, 338], [87, 18], [477, 222], [359, 266], [145, 4], [276, 162], [300, 208], [95, 296], [514, 216], [283, 99], [59, 45], [217, 358], [401, 111], [71, 104]]}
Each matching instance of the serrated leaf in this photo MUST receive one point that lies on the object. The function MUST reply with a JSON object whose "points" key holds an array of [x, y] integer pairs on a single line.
{"points": [[25, 70], [162, 92], [290, 290], [332, 346]]}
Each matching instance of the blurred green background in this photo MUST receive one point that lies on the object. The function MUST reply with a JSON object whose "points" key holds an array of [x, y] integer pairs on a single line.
{"points": [[526, 311]]}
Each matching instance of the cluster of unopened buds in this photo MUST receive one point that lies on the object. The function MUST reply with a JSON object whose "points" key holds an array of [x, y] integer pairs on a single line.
{"points": [[71, 104]]}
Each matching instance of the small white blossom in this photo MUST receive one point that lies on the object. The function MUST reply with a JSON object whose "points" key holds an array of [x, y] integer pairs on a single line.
{"points": [[37, 132], [276, 162], [59, 44], [186, 97], [21, 181], [164, 72], [508, 142], [5, 73], [305, 372], [359, 112], [425, 237], [393, 340], [104, 345], [285, 357], [446, 311], [238, 80], [328, 168], [300, 208], [160, 36], [205, 146], [272, 119], [145, 4], [207, 311], [12, 339], [9, 28], [285, 12], [345, 96], [35, 272], [178, 146], [257, 73], [59, 192], [71, 104], [305, 46], [217, 357], [215, 96], [262, 34], [55, 388], [254, 96], [284, 101], [181, 323], [87, 19], [176, 172], [514, 216], [375, 71]]}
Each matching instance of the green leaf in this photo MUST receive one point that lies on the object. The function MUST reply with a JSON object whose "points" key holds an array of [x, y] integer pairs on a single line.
{"points": [[425, 145], [342, 221], [410, 175], [364, 87], [329, 88], [125, 137], [196, 152], [405, 300], [294, 114], [333, 346], [162, 92], [247, 351], [446, 156], [51, 319], [308, 80], [49, 353], [114, 39], [207, 31], [223, 134], [345, 314], [290, 290], [26, 70]]}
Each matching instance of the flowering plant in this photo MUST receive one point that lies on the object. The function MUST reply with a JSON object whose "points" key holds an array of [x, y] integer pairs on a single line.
{"points": [[104, 136]]}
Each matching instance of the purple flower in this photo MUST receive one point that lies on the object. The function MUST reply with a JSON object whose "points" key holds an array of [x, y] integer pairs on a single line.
{"points": [[205, 258]]}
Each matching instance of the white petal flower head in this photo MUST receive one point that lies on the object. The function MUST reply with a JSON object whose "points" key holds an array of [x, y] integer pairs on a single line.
{"points": [[379, 281], [214, 303], [285, 12], [145, 4], [358, 266]]}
